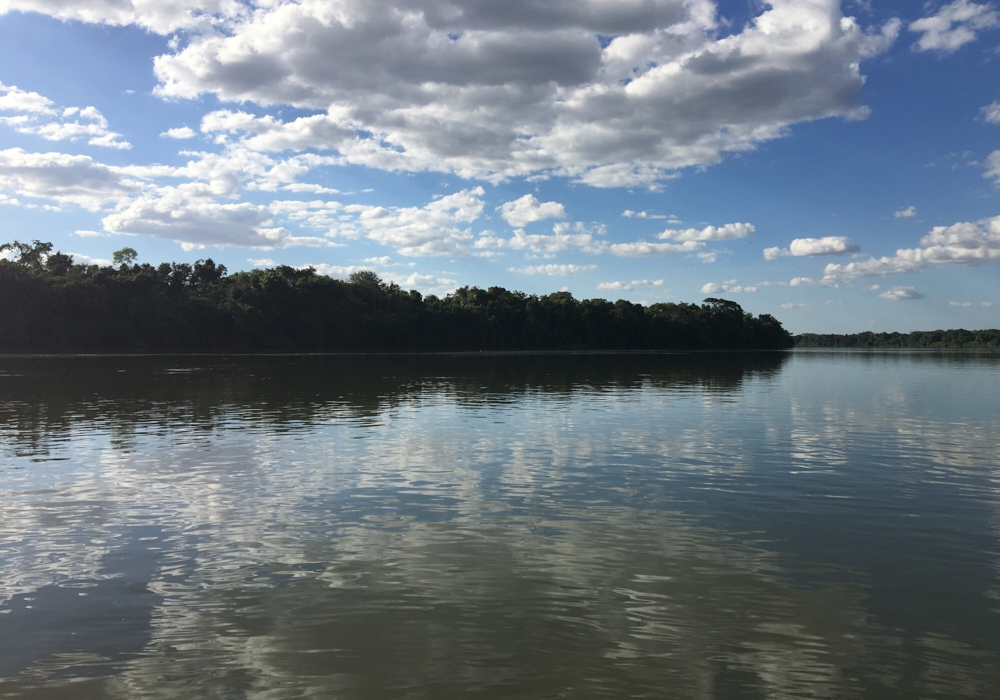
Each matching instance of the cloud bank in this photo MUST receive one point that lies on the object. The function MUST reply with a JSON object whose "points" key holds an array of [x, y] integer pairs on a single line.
{"points": [[963, 244], [611, 93]]}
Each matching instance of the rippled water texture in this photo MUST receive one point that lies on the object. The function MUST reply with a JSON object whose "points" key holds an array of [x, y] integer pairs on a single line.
{"points": [[804, 525]]}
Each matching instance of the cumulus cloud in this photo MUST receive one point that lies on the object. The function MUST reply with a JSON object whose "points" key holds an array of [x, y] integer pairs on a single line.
{"points": [[13, 99], [629, 214], [802, 247], [340, 272], [426, 283], [628, 286], [435, 229], [175, 214], [901, 294], [181, 132], [963, 244], [954, 26], [907, 213], [80, 259], [64, 178], [645, 249], [160, 16], [730, 287], [500, 90], [38, 115], [261, 262], [991, 113], [789, 306], [802, 282], [527, 209], [993, 167], [553, 270], [564, 237], [729, 232]]}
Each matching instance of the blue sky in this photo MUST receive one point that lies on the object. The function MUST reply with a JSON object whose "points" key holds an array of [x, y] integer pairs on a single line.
{"points": [[835, 164]]}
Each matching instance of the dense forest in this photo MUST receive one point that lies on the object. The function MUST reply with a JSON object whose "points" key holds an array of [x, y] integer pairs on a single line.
{"points": [[54, 305], [958, 338]]}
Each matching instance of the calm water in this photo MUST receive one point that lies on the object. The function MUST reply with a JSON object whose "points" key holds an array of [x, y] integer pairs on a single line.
{"points": [[809, 525]]}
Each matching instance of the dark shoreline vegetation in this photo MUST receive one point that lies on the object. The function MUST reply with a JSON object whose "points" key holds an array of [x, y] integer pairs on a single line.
{"points": [[54, 305], [955, 338]]}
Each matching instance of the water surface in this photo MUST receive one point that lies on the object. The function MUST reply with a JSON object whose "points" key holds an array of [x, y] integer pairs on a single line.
{"points": [[802, 525]]}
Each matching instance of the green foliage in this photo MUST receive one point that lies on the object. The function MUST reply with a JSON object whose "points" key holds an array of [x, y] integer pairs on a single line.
{"points": [[125, 256], [957, 338], [54, 305]]}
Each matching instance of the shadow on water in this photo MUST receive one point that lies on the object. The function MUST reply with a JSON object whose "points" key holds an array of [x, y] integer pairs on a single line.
{"points": [[41, 398], [89, 626]]}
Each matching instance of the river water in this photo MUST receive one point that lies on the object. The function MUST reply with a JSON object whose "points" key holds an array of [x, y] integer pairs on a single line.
{"points": [[779, 525]]}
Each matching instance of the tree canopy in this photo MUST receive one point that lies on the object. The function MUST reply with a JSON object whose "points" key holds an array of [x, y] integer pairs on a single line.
{"points": [[52, 304], [954, 338]]}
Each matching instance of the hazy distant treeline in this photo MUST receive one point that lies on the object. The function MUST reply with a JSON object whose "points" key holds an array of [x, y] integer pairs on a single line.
{"points": [[51, 304], [958, 338]]}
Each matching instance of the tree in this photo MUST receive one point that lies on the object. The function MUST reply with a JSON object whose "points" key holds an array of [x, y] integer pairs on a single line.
{"points": [[29, 256], [125, 256]]}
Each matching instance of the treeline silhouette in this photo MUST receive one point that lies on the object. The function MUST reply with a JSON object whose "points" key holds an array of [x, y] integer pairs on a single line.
{"points": [[956, 338], [54, 305]]}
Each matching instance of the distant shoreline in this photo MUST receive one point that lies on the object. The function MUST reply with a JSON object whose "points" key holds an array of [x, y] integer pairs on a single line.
{"points": [[952, 339]]}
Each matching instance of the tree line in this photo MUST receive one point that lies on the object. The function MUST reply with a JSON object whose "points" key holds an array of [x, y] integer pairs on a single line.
{"points": [[955, 338], [52, 304]]}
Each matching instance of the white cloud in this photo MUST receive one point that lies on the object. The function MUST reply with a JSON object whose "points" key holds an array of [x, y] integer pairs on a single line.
{"points": [[645, 249], [789, 306], [629, 214], [729, 232], [89, 234], [309, 188], [38, 115], [991, 113], [730, 287], [564, 237], [802, 247], [160, 16], [907, 213], [435, 229], [80, 259], [964, 244], [527, 209], [63, 178], [953, 26], [185, 215], [629, 286], [383, 260], [13, 99], [963, 304], [802, 282], [425, 283], [181, 132], [261, 262], [993, 167], [901, 294], [553, 270], [500, 90], [340, 272]]}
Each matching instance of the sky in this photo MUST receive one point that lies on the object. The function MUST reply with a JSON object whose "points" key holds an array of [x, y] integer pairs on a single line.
{"points": [[833, 163]]}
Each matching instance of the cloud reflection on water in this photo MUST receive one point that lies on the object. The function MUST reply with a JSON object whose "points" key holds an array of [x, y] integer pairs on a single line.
{"points": [[373, 528]]}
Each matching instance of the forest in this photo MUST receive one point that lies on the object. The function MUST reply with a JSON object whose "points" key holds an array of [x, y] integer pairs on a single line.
{"points": [[955, 338], [52, 304]]}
